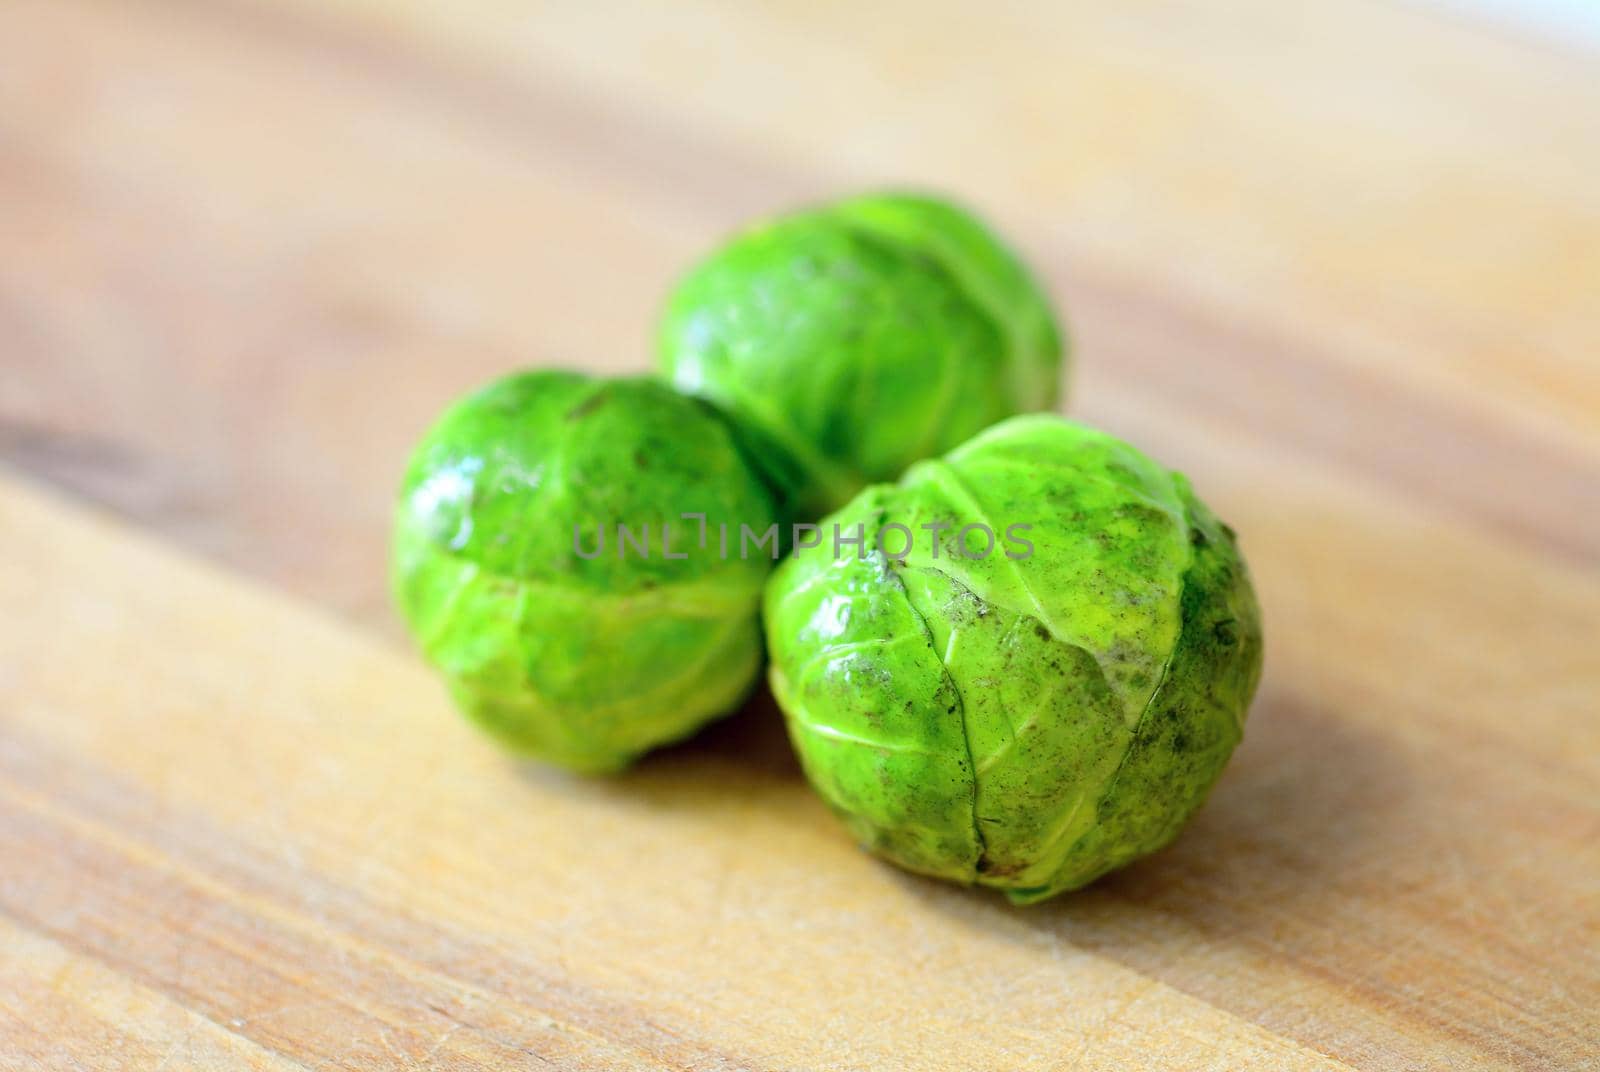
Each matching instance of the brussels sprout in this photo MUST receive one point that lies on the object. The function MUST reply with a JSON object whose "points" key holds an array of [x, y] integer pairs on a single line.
{"points": [[1031, 714], [555, 635], [853, 339]]}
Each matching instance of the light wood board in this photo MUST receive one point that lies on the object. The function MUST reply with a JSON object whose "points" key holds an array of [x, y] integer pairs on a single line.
{"points": [[1340, 263]]}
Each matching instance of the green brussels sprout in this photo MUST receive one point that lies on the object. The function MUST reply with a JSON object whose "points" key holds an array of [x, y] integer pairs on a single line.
{"points": [[556, 634], [1042, 695], [850, 340]]}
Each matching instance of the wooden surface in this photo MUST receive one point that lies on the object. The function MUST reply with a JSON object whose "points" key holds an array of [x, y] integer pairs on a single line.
{"points": [[1339, 262]]}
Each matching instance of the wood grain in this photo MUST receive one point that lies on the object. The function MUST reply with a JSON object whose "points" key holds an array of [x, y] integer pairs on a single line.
{"points": [[290, 835], [272, 822], [1338, 262], [220, 326]]}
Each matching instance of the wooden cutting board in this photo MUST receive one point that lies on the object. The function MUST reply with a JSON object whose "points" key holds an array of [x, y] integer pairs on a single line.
{"points": [[1340, 263]]}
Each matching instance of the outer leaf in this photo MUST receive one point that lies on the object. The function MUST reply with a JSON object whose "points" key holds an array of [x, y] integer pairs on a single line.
{"points": [[850, 340], [1101, 682], [582, 661]]}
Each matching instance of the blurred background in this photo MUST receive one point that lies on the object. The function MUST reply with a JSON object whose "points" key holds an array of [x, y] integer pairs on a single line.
{"points": [[251, 247]]}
